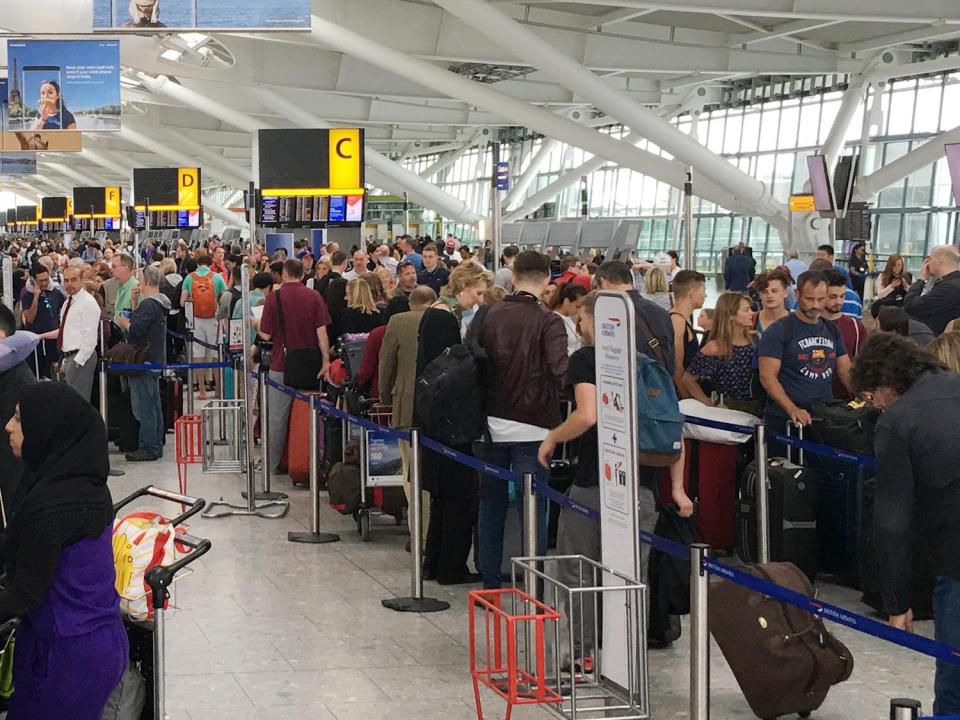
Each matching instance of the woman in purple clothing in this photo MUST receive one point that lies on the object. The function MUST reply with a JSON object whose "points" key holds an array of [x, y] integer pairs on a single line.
{"points": [[71, 646]]}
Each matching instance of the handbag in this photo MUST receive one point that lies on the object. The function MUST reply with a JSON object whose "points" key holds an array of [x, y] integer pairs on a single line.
{"points": [[126, 353], [301, 366]]}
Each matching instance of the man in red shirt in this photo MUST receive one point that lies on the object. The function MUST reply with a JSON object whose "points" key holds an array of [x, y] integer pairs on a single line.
{"points": [[853, 331], [301, 324], [219, 264]]}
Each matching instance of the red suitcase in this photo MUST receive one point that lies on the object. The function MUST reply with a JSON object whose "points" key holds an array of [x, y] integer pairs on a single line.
{"points": [[710, 478], [298, 442]]}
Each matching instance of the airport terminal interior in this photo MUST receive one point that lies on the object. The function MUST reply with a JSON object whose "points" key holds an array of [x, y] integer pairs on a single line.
{"points": [[667, 136]]}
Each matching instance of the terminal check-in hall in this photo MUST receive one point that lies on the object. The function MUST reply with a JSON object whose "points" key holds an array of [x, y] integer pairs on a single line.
{"points": [[494, 359]]}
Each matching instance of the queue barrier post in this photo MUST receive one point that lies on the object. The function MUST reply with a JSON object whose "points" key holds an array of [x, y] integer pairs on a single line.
{"points": [[103, 378], [314, 537], [904, 709], [699, 634], [190, 373], [265, 493], [221, 389], [530, 531], [762, 495], [416, 602]]}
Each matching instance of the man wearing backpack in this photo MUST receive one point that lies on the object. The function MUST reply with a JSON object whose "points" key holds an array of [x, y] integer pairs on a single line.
{"points": [[526, 349], [799, 356], [203, 287]]}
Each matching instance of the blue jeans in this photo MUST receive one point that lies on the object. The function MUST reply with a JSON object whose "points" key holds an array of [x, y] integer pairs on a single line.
{"points": [[519, 457], [946, 608], [145, 403]]}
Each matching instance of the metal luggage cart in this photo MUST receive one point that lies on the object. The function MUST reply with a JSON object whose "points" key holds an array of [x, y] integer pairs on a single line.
{"points": [[611, 684], [147, 638], [372, 485], [230, 415]]}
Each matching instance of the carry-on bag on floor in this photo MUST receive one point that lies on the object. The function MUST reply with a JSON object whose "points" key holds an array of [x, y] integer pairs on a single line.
{"points": [[792, 493], [710, 476], [784, 659], [844, 425], [126, 429], [171, 400], [839, 516], [298, 443]]}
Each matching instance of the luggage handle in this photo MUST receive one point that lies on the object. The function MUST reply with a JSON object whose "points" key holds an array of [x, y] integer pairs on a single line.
{"points": [[195, 504], [160, 577], [789, 448]]}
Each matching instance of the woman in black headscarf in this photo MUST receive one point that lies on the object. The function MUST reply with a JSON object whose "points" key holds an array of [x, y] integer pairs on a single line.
{"points": [[58, 553]]}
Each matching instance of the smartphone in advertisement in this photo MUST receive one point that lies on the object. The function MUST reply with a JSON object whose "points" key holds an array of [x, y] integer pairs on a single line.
{"points": [[42, 101]]}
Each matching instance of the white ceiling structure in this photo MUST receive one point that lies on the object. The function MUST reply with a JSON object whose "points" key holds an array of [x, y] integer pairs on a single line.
{"points": [[428, 77]]}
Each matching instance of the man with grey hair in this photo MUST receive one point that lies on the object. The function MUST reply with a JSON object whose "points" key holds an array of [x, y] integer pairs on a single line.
{"points": [[147, 327], [941, 305], [795, 265]]}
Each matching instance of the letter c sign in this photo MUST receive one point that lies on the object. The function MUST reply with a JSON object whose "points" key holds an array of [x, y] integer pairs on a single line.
{"points": [[345, 159]]}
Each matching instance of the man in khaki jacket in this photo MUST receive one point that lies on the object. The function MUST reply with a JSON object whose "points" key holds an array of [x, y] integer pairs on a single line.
{"points": [[398, 374]]}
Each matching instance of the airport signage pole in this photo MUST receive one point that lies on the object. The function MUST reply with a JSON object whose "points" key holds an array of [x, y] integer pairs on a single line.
{"points": [[689, 262], [500, 181]]}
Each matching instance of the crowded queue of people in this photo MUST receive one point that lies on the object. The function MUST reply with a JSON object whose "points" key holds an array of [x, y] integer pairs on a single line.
{"points": [[535, 325]]}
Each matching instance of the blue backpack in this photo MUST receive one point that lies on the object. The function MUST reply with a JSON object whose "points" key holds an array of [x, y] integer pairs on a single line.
{"points": [[659, 421]]}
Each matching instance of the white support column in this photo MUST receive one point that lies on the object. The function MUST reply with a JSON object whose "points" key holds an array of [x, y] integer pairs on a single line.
{"points": [[183, 159], [894, 172], [106, 161], [210, 159], [74, 175], [49, 182], [161, 85], [536, 51], [420, 190], [849, 104], [515, 111], [228, 216], [515, 196]]}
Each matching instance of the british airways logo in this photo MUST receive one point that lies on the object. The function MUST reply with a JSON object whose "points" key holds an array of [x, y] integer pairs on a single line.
{"points": [[609, 327]]}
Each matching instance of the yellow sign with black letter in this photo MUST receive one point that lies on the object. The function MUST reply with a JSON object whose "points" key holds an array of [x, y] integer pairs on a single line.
{"points": [[111, 201], [345, 155], [188, 188]]}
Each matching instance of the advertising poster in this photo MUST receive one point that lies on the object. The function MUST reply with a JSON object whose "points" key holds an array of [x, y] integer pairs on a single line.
{"points": [[317, 242], [13, 163], [161, 15], [384, 463], [279, 241], [63, 85]]}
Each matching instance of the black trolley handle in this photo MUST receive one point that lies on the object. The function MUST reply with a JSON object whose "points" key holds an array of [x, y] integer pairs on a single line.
{"points": [[160, 578], [194, 505]]}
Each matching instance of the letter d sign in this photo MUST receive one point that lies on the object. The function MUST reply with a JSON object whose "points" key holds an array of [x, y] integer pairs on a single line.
{"points": [[188, 187], [346, 158]]}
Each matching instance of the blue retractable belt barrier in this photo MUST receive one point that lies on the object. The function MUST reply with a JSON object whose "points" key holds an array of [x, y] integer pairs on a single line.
{"points": [[866, 625], [181, 336], [824, 450], [126, 367], [716, 424], [827, 611]]}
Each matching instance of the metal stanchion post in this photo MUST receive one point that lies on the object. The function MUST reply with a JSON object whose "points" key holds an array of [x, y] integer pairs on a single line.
{"points": [[265, 469], [314, 537], [763, 496], [699, 635], [104, 395], [221, 390], [904, 709], [190, 373], [159, 645], [530, 531], [416, 602]]}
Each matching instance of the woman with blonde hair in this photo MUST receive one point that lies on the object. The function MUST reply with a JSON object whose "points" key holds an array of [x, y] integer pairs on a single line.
{"points": [[387, 279], [464, 292], [376, 289], [728, 358], [656, 287], [361, 314], [946, 349]]}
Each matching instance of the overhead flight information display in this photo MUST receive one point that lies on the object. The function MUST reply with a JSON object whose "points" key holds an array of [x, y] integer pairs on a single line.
{"points": [[292, 211], [173, 196], [168, 219]]}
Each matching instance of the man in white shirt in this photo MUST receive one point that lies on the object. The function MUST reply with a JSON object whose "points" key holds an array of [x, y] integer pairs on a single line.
{"points": [[78, 333], [359, 266], [795, 265]]}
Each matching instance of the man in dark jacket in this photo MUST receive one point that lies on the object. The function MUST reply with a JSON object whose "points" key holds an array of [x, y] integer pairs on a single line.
{"points": [[941, 305], [738, 271], [12, 382], [917, 493], [526, 347], [147, 327]]}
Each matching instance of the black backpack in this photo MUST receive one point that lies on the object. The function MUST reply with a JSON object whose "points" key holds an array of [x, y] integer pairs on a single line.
{"points": [[450, 396], [669, 578]]}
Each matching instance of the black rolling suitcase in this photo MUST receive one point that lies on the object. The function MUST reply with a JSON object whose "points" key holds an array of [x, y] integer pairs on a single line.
{"points": [[171, 400], [125, 428], [792, 492], [840, 516]]}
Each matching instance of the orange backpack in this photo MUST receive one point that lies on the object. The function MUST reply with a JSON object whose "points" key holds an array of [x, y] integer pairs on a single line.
{"points": [[203, 295]]}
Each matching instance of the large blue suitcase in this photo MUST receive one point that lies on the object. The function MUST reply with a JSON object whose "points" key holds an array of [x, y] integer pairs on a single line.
{"points": [[839, 516]]}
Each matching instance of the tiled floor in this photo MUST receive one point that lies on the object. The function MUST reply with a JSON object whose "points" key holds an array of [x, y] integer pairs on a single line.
{"points": [[269, 630]]}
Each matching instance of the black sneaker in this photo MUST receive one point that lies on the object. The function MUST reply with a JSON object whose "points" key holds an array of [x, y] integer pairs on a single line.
{"points": [[140, 456]]}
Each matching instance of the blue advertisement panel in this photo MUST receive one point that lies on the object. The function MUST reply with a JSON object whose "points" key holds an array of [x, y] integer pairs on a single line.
{"points": [[384, 461], [317, 242], [279, 241], [63, 85], [162, 15]]}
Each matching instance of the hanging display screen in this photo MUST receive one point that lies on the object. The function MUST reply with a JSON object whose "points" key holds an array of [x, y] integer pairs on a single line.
{"points": [[168, 219], [298, 211]]}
